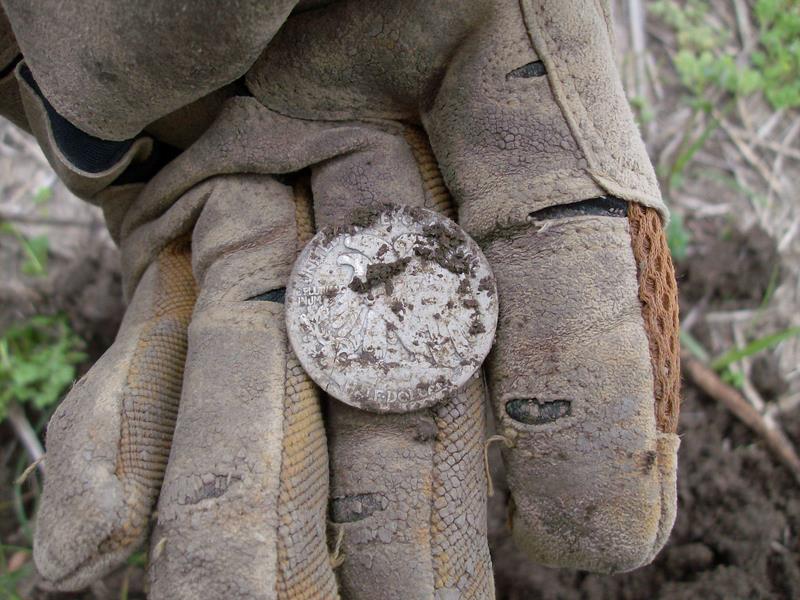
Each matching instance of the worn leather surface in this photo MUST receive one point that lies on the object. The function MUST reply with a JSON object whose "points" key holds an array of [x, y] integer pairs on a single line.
{"points": [[225, 460], [11, 102], [407, 491], [534, 142], [112, 68], [509, 107], [84, 184], [240, 441], [593, 482], [8, 43], [109, 440]]}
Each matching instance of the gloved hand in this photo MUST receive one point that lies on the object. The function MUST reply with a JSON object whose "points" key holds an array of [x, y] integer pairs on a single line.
{"points": [[514, 109]]}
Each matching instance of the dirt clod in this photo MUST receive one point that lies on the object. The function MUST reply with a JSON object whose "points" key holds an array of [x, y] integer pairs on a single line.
{"points": [[378, 273]]}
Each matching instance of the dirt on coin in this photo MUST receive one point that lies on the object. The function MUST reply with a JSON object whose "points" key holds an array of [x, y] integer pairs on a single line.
{"points": [[379, 273], [445, 247]]}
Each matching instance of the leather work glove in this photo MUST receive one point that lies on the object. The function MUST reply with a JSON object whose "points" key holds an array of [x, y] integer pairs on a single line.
{"points": [[199, 420]]}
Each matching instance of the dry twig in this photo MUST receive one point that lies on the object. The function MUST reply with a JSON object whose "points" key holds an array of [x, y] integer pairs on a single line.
{"points": [[749, 155], [781, 148]]}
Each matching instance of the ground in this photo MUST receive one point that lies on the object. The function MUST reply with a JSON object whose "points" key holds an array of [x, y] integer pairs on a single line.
{"points": [[727, 158]]}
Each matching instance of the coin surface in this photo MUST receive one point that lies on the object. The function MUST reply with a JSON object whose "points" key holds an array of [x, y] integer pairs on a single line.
{"points": [[393, 313]]}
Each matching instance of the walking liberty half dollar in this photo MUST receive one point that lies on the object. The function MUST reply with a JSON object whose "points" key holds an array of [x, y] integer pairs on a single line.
{"points": [[393, 313]]}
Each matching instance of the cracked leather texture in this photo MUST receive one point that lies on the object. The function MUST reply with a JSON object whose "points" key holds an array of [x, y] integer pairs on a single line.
{"points": [[109, 440], [137, 62], [350, 104], [424, 533], [593, 489]]}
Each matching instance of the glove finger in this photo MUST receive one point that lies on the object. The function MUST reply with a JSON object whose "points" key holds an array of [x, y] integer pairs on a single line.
{"points": [[408, 497], [462, 565], [305, 570], [109, 440], [242, 509], [408, 494], [530, 119], [591, 474]]}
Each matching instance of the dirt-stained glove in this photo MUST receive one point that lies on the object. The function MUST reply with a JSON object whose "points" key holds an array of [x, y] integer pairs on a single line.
{"points": [[199, 382], [515, 109]]}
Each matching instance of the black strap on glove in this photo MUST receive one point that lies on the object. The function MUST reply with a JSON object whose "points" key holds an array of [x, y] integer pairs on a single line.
{"points": [[94, 155]]}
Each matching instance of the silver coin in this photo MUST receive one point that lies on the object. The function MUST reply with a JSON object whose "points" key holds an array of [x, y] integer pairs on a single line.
{"points": [[393, 313]]}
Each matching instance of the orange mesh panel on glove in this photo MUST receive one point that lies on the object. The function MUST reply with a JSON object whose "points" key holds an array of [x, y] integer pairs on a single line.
{"points": [[658, 293]]}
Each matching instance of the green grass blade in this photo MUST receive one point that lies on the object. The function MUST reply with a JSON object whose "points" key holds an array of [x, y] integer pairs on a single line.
{"points": [[694, 347], [754, 347]]}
